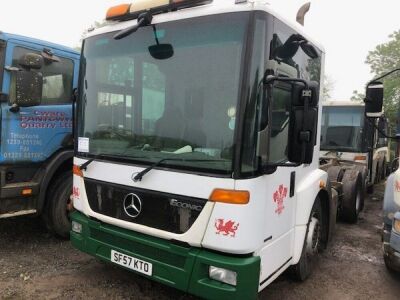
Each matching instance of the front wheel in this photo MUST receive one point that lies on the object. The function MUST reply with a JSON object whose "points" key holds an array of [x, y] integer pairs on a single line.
{"points": [[59, 205], [312, 244]]}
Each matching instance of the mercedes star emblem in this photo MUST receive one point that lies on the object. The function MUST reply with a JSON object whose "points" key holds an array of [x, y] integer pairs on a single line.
{"points": [[132, 205]]}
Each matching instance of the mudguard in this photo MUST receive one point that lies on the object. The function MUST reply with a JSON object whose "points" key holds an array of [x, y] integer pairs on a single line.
{"points": [[307, 192]]}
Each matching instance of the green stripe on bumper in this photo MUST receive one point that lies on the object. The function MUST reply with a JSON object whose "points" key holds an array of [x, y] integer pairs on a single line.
{"points": [[183, 268]]}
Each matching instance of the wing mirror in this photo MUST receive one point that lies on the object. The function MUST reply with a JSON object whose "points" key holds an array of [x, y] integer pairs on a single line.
{"points": [[289, 49], [31, 61], [28, 88], [303, 119], [28, 82], [374, 99]]}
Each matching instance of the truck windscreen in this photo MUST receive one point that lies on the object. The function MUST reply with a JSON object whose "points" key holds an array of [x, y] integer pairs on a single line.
{"points": [[138, 105], [342, 128]]}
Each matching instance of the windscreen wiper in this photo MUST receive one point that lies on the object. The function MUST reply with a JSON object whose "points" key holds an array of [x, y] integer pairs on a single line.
{"points": [[140, 175], [97, 156], [144, 19]]}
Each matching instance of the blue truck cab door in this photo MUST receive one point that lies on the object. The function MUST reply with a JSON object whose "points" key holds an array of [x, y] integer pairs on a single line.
{"points": [[34, 134]]}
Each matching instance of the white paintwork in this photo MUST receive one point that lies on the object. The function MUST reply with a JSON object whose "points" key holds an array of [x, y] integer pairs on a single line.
{"points": [[216, 7], [396, 187], [343, 103], [258, 220], [162, 181]]}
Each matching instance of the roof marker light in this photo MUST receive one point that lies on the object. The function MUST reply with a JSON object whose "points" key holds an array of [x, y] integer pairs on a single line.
{"points": [[116, 12], [143, 5], [132, 11]]}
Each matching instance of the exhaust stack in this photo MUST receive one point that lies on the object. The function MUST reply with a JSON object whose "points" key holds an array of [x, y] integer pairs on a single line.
{"points": [[302, 12]]}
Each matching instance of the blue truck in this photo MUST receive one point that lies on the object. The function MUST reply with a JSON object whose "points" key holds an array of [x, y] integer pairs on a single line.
{"points": [[38, 80]]}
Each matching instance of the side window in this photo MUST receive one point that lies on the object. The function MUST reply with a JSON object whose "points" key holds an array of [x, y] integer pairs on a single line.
{"points": [[280, 116], [383, 127], [57, 78], [153, 104], [298, 65]]}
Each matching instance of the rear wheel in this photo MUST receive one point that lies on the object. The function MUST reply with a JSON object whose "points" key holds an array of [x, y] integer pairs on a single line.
{"points": [[364, 184], [352, 200], [59, 205], [383, 171], [377, 174], [389, 265], [312, 244]]}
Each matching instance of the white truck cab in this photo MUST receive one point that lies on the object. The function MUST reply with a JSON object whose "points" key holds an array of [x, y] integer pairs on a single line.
{"points": [[351, 137], [197, 157]]}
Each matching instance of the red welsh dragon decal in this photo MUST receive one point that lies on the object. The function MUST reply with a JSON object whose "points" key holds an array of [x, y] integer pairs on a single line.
{"points": [[397, 186], [228, 228], [279, 196]]}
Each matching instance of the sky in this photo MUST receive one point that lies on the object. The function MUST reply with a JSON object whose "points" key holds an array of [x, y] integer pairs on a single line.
{"points": [[348, 29]]}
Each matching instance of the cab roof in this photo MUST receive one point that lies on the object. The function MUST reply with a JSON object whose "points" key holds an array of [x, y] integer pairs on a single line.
{"points": [[215, 7], [343, 103], [10, 36]]}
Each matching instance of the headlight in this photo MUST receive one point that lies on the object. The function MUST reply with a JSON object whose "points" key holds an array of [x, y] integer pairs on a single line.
{"points": [[223, 275], [396, 225], [76, 227]]}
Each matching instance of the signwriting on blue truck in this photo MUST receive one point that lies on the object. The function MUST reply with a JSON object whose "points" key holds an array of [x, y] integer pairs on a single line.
{"points": [[37, 81]]}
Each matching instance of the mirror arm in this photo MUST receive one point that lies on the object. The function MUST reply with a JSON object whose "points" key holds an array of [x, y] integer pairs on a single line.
{"points": [[271, 79], [12, 69], [383, 76], [371, 120], [15, 108], [304, 135]]}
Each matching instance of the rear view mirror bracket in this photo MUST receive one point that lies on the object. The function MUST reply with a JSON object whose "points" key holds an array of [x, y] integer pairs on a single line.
{"points": [[304, 114]]}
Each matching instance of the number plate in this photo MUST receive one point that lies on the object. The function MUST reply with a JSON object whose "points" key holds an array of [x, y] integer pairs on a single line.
{"points": [[131, 263]]}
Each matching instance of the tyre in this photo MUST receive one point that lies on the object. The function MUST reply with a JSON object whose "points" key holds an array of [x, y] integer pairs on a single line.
{"points": [[389, 265], [59, 205], [364, 184], [383, 171], [370, 188], [312, 244], [352, 196], [377, 174], [333, 173]]}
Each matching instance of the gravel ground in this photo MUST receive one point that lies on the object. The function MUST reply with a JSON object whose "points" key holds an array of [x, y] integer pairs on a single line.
{"points": [[33, 264]]}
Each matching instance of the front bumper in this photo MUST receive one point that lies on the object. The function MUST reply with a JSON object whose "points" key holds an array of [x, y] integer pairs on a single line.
{"points": [[184, 268], [391, 250]]}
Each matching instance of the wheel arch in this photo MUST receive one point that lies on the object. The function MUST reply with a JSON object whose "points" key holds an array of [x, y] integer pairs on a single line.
{"points": [[315, 186], [329, 212], [59, 163]]}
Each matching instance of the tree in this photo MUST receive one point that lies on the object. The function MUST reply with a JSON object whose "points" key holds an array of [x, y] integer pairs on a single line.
{"points": [[329, 85], [357, 96], [385, 58]]}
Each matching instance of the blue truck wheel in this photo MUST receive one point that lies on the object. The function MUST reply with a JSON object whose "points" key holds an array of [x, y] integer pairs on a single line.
{"points": [[58, 199]]}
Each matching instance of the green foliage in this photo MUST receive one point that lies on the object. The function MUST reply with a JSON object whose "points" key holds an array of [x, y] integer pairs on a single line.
{"points": [[385, 58], [357, 96], [328, 87]]}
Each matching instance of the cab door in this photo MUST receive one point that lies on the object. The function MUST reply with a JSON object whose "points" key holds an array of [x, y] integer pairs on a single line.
{"points": [[33, 134]]}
